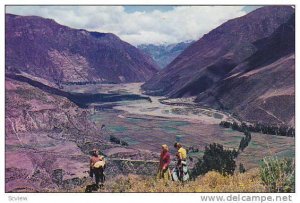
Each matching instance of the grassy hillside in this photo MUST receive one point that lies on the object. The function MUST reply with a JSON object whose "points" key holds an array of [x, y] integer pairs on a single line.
{"points": [[210, 182], [273, 175]]}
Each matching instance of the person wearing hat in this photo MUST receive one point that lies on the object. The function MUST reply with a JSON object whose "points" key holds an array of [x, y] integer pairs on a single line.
{"points": [[97, 165]]}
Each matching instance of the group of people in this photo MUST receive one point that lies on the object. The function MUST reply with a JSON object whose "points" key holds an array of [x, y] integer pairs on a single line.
{"points": [[180, 171]]}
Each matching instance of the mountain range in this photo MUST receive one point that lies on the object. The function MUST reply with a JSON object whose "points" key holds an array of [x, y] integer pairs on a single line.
{"points": [[43, 48], [245, 66], [164, 54]]}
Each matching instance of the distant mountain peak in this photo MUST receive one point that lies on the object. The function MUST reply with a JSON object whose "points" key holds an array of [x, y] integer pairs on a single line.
{"points": [[163, 54]]}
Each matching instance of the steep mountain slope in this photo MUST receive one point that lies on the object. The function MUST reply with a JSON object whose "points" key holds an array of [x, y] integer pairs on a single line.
{"points": [[212, 57], [38, 130], [262, 88], [164, 54], [44, 48]]}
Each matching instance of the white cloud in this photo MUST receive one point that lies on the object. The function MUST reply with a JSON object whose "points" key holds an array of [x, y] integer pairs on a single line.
{"points": [[156, 27]]}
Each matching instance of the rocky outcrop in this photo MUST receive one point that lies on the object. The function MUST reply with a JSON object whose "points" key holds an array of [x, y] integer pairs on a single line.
{"points": [[42, 132]]}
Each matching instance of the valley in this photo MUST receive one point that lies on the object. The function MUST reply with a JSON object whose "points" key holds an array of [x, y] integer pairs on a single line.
{"points": [[69, 90], [146, 125], [57, 157]]}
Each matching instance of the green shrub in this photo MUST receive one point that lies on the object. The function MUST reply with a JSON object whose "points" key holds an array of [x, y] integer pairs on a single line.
{"points": [[278, 175], [197, 170], [216, 158]]}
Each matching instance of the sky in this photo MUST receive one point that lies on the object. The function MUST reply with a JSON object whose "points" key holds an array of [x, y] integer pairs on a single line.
{"points": [[140, 24]]}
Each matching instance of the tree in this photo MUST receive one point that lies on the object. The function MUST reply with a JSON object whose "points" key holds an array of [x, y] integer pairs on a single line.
{"points": [[245, 141], [197, 170], [219, 159]]}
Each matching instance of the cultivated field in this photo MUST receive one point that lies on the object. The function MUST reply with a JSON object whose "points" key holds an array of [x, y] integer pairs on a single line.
{"points": [[147, 125]]}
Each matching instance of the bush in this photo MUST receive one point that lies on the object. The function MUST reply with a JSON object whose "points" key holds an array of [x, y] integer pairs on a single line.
{"points": [[197, 170], [242, 168], [278, 175], [117, 141], [225, 124], [219, 159]]}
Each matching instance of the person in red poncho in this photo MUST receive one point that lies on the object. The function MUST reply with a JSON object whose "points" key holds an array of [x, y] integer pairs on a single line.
{"points": [[165, 160], [97, 166]]}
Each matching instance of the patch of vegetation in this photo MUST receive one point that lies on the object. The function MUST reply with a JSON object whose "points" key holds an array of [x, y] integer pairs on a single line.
{"points": [[130, 141], [286, 153], [175, 123], [216, 158], [219, 159], [278, 175], [245, 141], [218, 116], [171, 126], [260, 128], [135, 120], [242, 168], [117, 128], [118, 140]]}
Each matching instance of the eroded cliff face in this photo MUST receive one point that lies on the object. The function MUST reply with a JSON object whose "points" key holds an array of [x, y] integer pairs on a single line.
{"points": [[30, 109], [43, 132]]}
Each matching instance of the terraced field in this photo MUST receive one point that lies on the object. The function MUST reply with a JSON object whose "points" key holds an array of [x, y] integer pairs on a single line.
{"points": [[149, 133]]}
